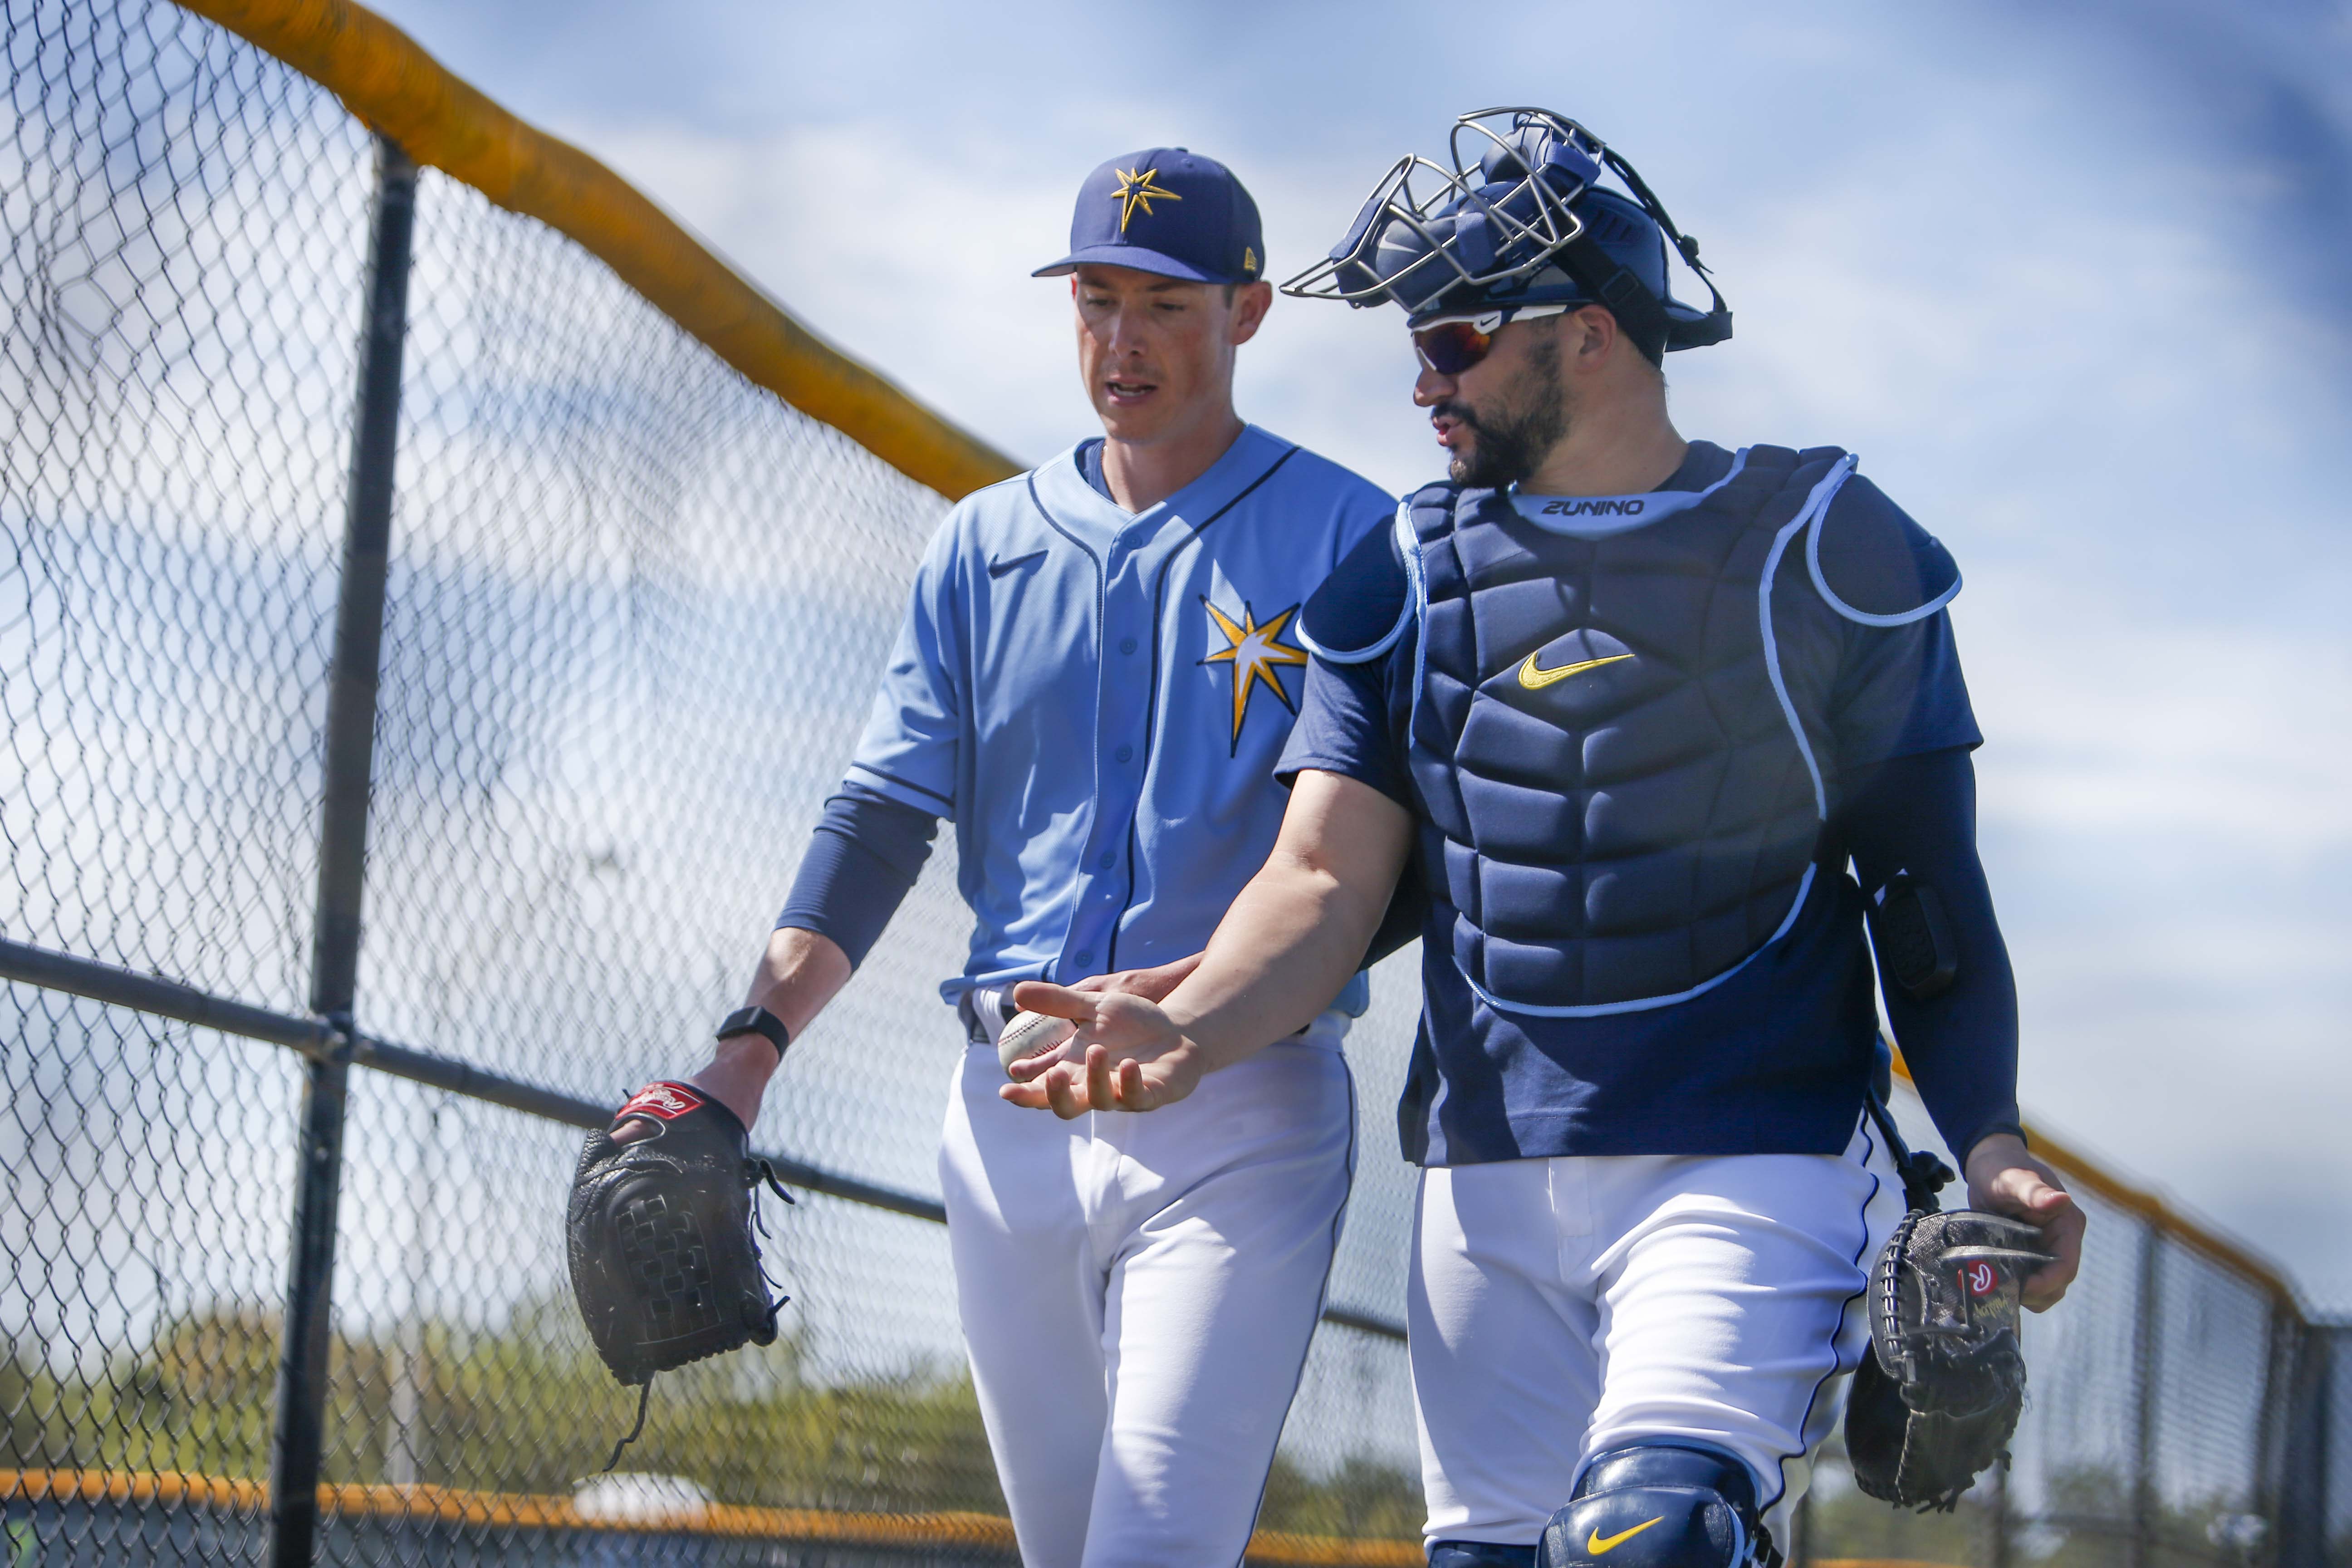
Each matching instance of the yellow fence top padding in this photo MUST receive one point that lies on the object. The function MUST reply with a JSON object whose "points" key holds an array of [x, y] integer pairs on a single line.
{"points": [[387, 81], [448, 1505]]}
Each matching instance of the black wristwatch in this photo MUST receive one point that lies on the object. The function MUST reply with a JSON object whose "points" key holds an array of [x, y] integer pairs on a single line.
{"points": [[756, 1021]]}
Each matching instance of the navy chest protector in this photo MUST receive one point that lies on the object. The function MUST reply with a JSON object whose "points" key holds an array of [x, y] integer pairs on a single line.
{"points": [[1619, 740]]}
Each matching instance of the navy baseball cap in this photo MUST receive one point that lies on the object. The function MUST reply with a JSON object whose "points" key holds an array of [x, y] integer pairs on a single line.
{"points": [[1167, 211]]}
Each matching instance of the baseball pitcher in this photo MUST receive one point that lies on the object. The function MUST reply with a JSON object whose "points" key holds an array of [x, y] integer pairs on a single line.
{"points": [[1097, 671]]}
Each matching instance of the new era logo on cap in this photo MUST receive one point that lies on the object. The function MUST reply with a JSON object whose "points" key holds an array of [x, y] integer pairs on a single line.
{"points": [[1168, 211]]}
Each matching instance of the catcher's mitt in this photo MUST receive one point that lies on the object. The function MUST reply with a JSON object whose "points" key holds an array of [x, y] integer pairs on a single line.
{"points": [[663, 1263], [1934, 1402]]}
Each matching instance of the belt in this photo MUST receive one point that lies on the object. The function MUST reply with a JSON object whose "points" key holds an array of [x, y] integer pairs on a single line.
{"points": [[986, 1010]]}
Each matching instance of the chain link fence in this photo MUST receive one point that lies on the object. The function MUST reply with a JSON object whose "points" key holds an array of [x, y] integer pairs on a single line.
{"points": [[633, 609], [2180, 1412]]}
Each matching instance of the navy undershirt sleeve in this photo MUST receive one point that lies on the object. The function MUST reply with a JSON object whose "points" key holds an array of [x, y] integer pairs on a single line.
{"points": [[1351, 716], [1918, 813], [1899, 689], [1344, 727], [862, 861]]}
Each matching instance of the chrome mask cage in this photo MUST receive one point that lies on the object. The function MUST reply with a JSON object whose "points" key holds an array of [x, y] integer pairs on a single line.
{"points": [[1472, 232], [1503, 214]]}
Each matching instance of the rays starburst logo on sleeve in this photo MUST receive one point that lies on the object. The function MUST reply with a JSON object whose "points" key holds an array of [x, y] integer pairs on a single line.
{"points": [[1256, 654]]}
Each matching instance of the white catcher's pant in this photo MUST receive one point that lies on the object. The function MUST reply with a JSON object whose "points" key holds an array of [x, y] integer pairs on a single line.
{"points": [[1563, 1307], [1138, 1293]]}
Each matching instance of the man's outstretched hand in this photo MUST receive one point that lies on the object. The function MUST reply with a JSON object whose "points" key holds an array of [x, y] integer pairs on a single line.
{"points": [[1127, 1055]]}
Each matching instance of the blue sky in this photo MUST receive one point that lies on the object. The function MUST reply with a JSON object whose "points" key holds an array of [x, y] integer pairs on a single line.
{"points": [[2071, 285]]}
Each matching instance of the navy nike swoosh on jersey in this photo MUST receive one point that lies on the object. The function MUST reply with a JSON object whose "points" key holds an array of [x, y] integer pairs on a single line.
{"points": [[999, 568]]}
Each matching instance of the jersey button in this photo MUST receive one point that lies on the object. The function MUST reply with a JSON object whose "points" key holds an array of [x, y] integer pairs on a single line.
{"points": [[1107, 860], [1127, 645], [1086, 955], [1123, 754]]}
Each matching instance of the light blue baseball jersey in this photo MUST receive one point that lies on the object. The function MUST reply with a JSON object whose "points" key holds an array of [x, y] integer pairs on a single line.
{"points": [[1097, 699]]}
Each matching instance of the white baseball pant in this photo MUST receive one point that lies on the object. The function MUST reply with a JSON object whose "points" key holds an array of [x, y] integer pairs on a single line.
{"points": [[1138, 1292], [1559, 1308]]}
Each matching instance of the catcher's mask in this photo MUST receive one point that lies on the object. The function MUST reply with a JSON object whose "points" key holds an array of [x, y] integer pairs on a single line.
{"points": [[1519, 220]]}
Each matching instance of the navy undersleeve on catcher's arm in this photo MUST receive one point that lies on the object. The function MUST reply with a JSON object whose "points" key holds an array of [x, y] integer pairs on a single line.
{"points": [[1351, 715], [862, 861], [1917, 814]]}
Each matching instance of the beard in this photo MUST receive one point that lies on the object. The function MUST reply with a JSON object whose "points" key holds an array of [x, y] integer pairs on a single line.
{"points": [[1508, 443]]}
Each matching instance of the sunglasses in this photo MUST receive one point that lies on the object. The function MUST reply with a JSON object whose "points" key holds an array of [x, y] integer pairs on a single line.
{"points": [[1452, 344]]}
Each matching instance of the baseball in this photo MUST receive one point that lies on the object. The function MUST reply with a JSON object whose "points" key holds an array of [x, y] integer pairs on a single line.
{"points": [[1031, 1033]]}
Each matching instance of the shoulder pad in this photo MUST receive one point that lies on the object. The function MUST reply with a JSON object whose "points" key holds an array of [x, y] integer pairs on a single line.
{"points": [[1431, 507], [1361, 609], [1874, 564], [1763, 464]]}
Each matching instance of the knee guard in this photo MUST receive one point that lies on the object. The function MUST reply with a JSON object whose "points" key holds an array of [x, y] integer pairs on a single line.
{"points": [[1660, 1505], [1480, 1554]]}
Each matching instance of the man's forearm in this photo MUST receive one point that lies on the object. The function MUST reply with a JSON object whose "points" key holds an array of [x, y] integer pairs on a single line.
{"points": [[1917, 814], [1283, 951], [799, 974], [1299, 928]]}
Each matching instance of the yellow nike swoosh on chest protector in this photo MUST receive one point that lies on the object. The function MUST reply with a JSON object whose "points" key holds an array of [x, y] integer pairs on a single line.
{"points": [[1597, 1543], [1536, 679]]}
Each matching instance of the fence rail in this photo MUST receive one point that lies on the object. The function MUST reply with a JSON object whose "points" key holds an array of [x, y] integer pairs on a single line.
{"points": [[320, 1041], [434, 604]]}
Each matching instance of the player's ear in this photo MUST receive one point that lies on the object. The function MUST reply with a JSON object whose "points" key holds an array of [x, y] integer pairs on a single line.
{"points": [[1251, 302], [1589, 334]]}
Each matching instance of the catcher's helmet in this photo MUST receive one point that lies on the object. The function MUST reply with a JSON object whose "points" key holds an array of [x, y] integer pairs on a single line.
{"points": [[1519, 220]]}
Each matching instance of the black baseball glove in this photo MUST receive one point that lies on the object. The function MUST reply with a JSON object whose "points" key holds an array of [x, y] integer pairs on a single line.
{"points": [[1935, 1401], [664, 1262]]}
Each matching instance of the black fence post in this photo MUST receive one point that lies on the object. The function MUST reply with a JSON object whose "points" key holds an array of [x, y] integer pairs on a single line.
{"points": [[297, 1445], [2147, 1368], [2304, 1513]]}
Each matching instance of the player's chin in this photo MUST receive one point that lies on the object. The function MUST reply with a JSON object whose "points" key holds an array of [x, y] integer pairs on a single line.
{"points": [[1132, 415], [1462, 460]]}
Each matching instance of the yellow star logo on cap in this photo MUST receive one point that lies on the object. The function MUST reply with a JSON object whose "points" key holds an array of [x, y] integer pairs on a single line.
{"points": [[1137, 191]]}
